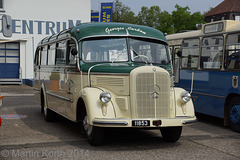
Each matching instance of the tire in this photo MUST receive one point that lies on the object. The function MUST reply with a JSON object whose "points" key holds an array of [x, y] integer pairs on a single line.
{"points": [[234, 114], [48, 114], [95, 134], [171, 134]]}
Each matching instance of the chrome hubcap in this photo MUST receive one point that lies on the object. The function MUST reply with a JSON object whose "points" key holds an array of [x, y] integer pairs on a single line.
{"points": [[87, 126]]}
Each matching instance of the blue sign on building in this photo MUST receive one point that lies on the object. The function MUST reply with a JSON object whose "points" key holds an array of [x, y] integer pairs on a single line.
{"points": [[95, 17], [106, 12]]}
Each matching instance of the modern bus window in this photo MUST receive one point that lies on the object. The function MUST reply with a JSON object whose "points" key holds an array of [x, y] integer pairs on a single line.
{"points": [[51, 54], [233, 51], [212, 52], [61, 53], [44, 55], [190, 53], [105, 50]]}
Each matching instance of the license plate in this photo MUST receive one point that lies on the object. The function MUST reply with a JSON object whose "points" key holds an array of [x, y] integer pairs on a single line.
{"points": [[139, 123]]}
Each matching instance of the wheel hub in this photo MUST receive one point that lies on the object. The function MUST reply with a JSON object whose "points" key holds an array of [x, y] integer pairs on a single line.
{"points": [[87, 126], [235, 114]]}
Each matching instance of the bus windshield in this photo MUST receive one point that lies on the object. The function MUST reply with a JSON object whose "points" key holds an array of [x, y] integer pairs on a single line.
{"points": [[105, 50], [116, 50], [149, 52]]}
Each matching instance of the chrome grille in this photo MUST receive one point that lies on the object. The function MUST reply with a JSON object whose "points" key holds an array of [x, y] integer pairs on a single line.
{"points": [[111, 81], [152, 95]]}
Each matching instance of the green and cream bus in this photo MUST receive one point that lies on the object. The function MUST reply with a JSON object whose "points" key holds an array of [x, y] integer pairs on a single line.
{"points": [[110, 75]]}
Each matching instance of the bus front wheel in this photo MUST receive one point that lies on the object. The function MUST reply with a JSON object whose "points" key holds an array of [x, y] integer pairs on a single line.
{"points": [[95, 134], [171, 134], [47, 113], [234, 114]]}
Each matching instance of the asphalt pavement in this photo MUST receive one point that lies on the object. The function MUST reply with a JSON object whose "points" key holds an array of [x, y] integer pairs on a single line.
{"points": [[24, 135]]}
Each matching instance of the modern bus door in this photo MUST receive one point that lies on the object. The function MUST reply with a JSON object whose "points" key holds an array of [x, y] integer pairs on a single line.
{"points": [[9, 62]]}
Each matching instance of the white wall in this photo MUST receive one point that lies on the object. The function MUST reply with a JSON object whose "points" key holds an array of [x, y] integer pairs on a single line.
{"points": [[36, 19]]}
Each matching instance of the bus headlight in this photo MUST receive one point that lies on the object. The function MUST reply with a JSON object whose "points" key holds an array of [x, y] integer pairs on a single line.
{"points": [[186, 96], [105, 97]]}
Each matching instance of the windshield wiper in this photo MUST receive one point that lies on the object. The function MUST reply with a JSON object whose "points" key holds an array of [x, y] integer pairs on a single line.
{"points": [[140, 56]]}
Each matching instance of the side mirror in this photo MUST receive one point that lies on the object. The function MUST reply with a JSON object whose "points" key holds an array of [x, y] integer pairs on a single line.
{"points": [[74, 52], [179, 53]]}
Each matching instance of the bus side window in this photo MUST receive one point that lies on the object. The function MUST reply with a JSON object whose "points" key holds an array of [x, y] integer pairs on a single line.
{"points": [[61, 53], [190, 53], [37, 57], [233, 51], [212, 52], [71, 59], [44, 55], [51, 54]]}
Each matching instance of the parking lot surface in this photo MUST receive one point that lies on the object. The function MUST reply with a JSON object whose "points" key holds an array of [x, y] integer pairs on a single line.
{"points": [[25, 135]]}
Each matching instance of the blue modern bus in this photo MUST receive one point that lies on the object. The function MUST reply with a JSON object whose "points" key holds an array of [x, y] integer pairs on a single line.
{"points": [[211, 57]]}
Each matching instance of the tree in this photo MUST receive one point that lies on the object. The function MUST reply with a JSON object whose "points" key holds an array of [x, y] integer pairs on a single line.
{"points": [[181, 18], [149, 17], [165, 22], [122, 13]]}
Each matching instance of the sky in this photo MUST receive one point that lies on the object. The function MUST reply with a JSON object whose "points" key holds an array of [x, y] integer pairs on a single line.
{"points": [[165, 5]]}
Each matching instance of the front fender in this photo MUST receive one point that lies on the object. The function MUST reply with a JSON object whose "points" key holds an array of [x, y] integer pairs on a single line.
{"points": [[183, 109], [94, 107]]}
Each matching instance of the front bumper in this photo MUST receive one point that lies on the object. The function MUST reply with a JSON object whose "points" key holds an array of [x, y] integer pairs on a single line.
{"points": [[124, 122]]}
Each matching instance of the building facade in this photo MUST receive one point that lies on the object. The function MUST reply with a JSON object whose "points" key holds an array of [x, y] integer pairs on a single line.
{"points": [[32, 21], [227, 10]]}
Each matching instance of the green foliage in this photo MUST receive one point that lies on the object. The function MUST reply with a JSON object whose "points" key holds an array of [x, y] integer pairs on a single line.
{"points": [[180, 19], [122, 13]]}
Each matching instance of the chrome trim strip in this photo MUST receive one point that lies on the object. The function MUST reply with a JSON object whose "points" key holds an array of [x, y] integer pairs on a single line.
{"points": [[61, 97], [210, 95], [36, 89], [118, 123], [189, 121], [131, 36]]}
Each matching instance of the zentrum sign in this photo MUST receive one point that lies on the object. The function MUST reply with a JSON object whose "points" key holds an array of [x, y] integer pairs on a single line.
{"points": [[41, 27]]}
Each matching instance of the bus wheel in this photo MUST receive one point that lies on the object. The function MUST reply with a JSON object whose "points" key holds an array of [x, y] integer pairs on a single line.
{"points": [[234, 114], [48, 114], [95, 134], [171, 134]]}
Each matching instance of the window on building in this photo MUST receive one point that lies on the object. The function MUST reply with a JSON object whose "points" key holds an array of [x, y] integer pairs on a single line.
{"points": [[237, 18], [1, 4]]}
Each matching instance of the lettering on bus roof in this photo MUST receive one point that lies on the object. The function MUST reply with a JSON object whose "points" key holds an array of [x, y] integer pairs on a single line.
{"points": [[109, 30]]}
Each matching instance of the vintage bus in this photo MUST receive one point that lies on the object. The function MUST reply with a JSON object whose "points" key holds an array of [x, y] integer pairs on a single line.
{"points": [[210, 56], [110, 75]]}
